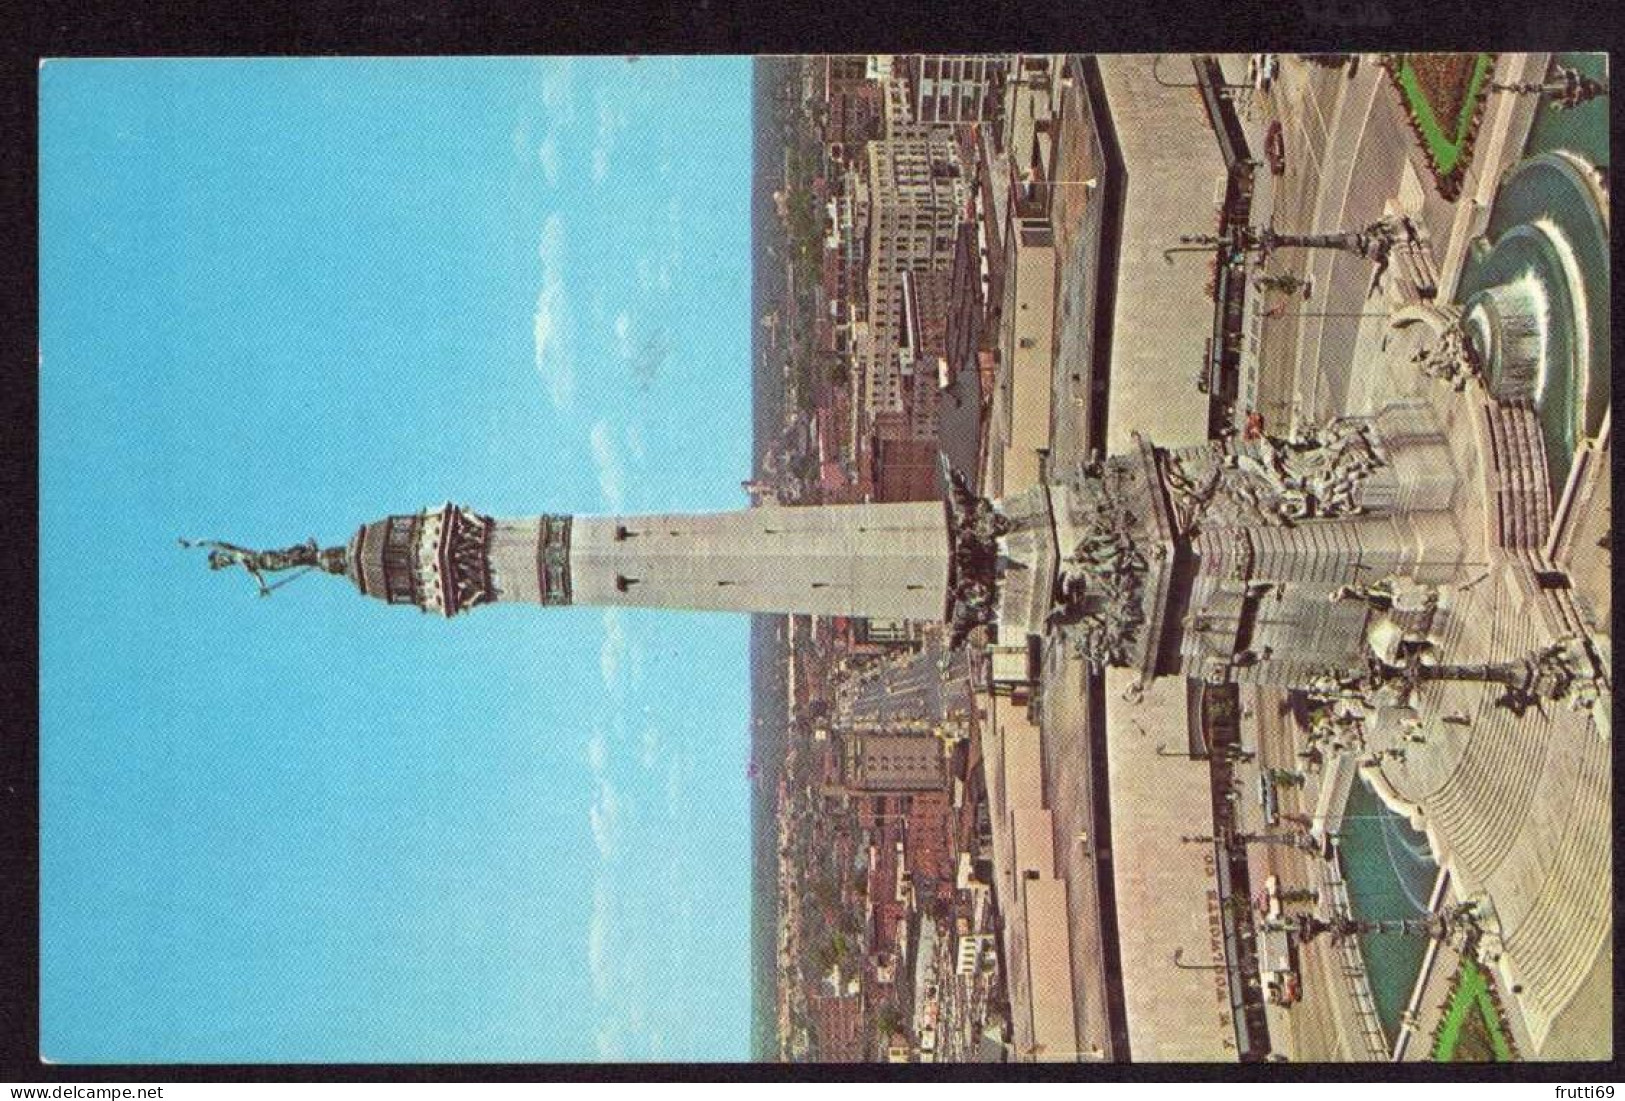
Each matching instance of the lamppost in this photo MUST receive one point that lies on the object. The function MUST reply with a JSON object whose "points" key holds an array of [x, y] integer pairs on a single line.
{"points": [[1374, 242], [1034, 1050], [1156, 76], [1333, 313], [1566, 88], [1179, 956], [1460, 919], [1285, 283], [1561, 672], [1224, 87], [1302, 841]]}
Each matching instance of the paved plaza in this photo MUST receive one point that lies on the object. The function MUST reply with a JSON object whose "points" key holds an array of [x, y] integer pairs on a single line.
{"points": [[1475, 790]]}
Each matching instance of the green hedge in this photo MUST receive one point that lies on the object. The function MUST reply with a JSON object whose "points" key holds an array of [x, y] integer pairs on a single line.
{"points": [[1471, 1030], [1448, 142]]}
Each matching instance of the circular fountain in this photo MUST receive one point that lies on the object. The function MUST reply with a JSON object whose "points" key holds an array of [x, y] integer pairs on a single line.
{"points": [[1535, 297]]}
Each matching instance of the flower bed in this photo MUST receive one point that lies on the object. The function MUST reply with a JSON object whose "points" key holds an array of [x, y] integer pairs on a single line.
{"points": [[1444, 97], [1471, 1030]]}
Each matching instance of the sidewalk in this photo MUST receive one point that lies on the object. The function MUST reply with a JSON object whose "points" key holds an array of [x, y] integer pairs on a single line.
{"points": [[1302, 101], [1502, 133]]}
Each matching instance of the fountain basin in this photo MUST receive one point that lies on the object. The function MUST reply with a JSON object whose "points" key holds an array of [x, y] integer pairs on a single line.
{"points": [[1535, 299]]}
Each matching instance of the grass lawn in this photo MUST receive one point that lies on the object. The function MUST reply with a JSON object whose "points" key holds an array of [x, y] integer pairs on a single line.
{"points": [[1442, 93], [1471, 1031]]}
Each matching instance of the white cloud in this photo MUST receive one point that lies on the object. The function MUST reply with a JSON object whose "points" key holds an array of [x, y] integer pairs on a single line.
{"points": [[649, 741], [620, 657], [634, 442], [554, 327], [641, 347], [606, 460], [656, 270], [552, 360], [605, 818], [610, 1048], [610, 123], [612, 654], [654, 273], [598, 940], [623, 334], [558, 89], [548, 154], [551, 247]]}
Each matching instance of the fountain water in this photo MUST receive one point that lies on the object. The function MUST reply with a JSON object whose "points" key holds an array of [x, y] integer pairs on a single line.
{"points": [[1390, 873], [1535, 297], [1510, 326]]}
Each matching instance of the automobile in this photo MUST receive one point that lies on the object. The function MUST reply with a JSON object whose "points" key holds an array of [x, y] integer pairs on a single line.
{"points": [[1262, 69], [1275, 149]]}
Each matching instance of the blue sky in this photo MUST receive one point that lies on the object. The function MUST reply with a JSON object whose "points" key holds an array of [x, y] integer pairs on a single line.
{"points": [[281, 298]]}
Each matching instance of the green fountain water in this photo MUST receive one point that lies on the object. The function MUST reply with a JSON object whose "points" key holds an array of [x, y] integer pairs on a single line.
{"points": [[1390, 874]]}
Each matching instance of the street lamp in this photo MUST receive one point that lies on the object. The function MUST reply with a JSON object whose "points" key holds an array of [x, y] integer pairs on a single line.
{"points": [[1566, 88], [1373, 242], [1179, 956], [1201, 246], [1034, 1050], [1157, 61], [1224, 86]]}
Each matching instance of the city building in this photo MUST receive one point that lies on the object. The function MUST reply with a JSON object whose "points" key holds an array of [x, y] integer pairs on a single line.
{"points": [[853, 107], [969, 951], [1030, 93], [893, 763], [1019, 420], [839, 1026], [917, 188], [901, 466], [955, 88]]}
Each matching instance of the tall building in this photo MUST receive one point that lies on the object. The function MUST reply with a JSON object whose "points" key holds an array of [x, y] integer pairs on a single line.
{"points": [[853, 104], [956, 88], [887, 560], [1249, 561], [846, 253], [1346, 562], [917, 189], [893, 763]]}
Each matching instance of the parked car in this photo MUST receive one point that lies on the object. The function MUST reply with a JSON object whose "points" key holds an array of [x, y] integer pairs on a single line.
{"points": [[1262, 69], [1275, 149]]}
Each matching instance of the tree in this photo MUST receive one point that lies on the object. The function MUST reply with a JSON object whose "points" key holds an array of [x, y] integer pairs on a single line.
{"points": [[888, 1019]]}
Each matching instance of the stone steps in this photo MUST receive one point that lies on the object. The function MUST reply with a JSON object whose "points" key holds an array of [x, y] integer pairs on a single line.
{"points": [[1551, 960], [1521, 496], [1480, 806], [1494, 789]]}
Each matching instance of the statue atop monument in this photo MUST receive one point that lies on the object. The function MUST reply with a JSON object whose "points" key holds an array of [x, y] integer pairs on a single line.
{"points": [[303, 556]]}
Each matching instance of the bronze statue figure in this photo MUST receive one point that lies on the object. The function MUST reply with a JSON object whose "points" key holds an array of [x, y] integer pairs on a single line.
{"points": [[304, 556]]}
